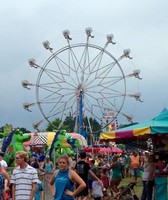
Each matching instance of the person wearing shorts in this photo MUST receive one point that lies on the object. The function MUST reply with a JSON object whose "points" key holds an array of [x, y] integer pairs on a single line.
{"points": [[135, 163], [95, 170]]}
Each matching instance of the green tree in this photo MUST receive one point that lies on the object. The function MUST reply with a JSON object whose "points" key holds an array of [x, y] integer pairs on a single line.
{"points": [[55, 125], [70, 123], [24, 130]]}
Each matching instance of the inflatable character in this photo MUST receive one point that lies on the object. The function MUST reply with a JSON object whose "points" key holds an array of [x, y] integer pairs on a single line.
{"points": [[64, 143], [17, 138], [6, 130], [1, 135]]}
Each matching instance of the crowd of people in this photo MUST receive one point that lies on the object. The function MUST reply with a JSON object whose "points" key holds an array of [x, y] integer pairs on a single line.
{"points": [[84, 177]]}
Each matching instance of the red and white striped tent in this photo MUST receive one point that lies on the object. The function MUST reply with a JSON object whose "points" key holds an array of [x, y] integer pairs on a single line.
{"points": [[46, 138]]}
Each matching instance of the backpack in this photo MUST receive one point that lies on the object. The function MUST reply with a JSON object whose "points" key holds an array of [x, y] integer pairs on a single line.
{"points": [[2, 184]]}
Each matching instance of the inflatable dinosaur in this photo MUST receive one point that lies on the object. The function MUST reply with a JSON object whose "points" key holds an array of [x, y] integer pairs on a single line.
{"points": [[13, 144], [64, 143]]}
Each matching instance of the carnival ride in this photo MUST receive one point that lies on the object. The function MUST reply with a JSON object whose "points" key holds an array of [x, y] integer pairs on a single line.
{"points": [[82, 80]]}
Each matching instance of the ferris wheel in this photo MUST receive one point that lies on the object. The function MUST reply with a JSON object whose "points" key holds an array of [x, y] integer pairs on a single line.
{"points": [[81, 79]]}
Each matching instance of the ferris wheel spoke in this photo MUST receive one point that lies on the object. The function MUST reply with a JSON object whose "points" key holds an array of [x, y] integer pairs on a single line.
{"points": [[55, 111], [55, 88], [56, 97], [104, 85], [75, 64], [95, 101], [110, 81], [63, 66], [109, 95], [99, 64], [49, 88], [83, 60], [53, 74], [86, 59], [104, 89], [93, 64], [107, 69], [109, 101], [72, 64], [89, 108], [51, 96], [100, 99], [59, 65], [101, 75], [96, 62]]}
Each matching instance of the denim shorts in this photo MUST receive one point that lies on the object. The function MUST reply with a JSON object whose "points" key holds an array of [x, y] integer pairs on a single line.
{"points": [[135, 172]]}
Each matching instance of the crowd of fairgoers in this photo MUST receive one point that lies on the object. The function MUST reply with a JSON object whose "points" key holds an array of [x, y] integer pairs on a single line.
{"points": [[108, 169]]}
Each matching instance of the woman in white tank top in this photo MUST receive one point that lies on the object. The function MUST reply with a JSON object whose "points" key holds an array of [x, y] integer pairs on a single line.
{"points": [[148, 177]]}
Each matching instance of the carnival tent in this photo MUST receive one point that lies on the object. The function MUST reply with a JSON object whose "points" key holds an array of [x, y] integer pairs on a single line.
{"points": [[110, 150], [91, 149], [158, 125]]}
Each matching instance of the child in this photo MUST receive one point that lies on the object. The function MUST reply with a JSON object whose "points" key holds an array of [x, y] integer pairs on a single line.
{"points": [[8, 190], [6, 179], [105, 181], [39, 190], [104, 178], [97, 189], [2, 187]]}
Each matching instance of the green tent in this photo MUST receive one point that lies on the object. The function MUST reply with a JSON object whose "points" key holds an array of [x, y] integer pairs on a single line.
{"points": [[158, 125]]}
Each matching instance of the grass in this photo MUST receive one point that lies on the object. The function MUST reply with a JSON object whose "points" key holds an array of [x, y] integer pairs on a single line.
{"points": [[137, 188]]}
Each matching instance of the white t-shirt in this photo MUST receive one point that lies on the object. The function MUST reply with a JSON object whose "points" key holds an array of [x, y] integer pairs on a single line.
{"points": [[97, 189], [3, 164], [146, 172]]}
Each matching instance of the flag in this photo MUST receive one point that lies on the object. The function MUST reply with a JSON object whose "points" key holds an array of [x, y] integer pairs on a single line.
{"points": [[112, 126]]}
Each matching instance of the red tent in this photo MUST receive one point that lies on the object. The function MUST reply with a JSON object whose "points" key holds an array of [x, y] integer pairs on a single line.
{"points": [[91, 149], [110, 150]]}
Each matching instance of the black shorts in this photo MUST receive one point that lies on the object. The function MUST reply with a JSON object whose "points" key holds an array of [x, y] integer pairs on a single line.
{"points": [[83, 192], [90, 184]]}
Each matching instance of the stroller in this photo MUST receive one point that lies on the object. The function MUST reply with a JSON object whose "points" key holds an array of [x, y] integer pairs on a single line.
{"points": [[128, 193]]}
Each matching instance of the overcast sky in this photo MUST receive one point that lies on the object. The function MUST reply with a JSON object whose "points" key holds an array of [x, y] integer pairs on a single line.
{"points": [[141, 25]]}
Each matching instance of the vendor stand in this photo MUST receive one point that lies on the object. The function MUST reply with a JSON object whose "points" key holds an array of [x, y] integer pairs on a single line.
{"points": [[157, 130], [161, 186]]}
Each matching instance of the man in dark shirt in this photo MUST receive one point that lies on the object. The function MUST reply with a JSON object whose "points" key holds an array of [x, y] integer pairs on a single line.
{"points": [[83, 169]]}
